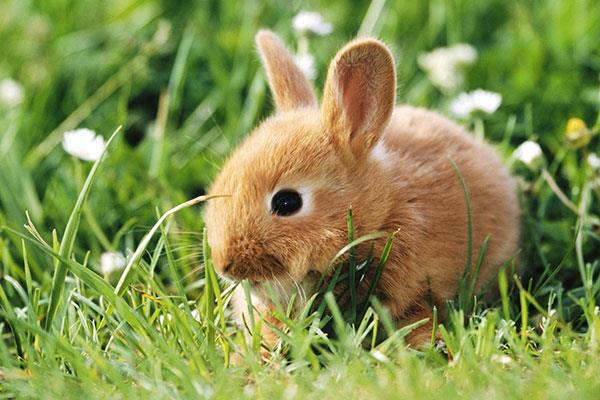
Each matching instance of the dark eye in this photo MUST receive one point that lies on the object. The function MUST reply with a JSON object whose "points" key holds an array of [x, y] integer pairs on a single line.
{"points": [[286, 202]]}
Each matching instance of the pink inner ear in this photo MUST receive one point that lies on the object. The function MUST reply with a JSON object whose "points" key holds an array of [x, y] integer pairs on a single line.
{"points": [[355, 98]]}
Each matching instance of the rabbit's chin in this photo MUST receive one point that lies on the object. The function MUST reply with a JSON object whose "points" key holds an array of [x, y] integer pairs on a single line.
{"points": [[281, 290]]}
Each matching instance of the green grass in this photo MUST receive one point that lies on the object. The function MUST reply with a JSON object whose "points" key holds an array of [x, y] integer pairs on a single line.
{"points": [[184, 82]]}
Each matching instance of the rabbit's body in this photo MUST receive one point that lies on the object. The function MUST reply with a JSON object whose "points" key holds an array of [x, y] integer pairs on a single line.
{"points": [[392, 166], [427, 205]]}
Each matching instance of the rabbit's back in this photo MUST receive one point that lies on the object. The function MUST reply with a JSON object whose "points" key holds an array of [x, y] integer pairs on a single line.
{"points": [[420, 147]]}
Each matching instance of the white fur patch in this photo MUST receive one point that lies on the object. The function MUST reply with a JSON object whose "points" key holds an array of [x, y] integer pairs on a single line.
{"points": [[271, 291], [381, 154]]}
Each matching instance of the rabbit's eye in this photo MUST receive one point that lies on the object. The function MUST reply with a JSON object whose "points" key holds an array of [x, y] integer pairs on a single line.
{"points": [[286, 202]]}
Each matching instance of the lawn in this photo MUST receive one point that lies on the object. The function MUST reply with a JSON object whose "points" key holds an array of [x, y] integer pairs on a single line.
{"points": [[103, 295]]}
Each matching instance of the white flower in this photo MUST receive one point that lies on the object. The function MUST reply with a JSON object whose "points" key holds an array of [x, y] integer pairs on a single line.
{"points": [[479, 100], [501, 359], [307, 22], [463, 53], [196, 315], [306, 63], [83, 143], [445, 65], [529, 153], [112, 261], [594, 162], [379, 356], [11, 92]]}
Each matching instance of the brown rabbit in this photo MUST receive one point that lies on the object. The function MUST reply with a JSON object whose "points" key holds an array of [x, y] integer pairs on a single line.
{"points": [[294, 178]]}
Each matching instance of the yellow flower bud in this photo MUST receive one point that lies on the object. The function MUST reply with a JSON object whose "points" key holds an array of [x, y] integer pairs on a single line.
{"points": [[577, 133]]}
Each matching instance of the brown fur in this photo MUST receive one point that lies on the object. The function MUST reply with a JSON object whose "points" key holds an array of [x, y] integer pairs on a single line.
{"points": [[392, 166], [290, 87]]}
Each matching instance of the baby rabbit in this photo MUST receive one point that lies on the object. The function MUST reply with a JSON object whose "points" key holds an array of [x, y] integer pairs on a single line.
{"points": [[292, 181]]}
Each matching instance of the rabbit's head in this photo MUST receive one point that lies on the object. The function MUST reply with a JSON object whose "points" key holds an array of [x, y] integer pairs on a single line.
{"points": [[291, 182]]}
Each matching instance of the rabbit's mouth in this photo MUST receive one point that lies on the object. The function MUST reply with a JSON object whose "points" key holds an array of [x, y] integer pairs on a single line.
{"points": [[266, 268]]}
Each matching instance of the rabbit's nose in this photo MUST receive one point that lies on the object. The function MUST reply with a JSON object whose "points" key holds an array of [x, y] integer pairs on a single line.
{"points": [[227, 268], [222, 262], [222, 265], [233, 272]]}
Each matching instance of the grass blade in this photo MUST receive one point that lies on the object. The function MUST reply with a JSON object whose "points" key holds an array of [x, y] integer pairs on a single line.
{"points": [[467, 275], [352, 267], [68, 239], [385, 254], [135, 257]]}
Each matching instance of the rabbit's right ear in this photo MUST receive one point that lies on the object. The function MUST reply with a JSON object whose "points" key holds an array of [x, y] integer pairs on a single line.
{"points": [[290, 87], [359, 97]]}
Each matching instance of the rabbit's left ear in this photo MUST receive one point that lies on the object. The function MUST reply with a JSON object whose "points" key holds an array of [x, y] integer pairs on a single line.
{"points": [[359, 97], [290, 87]]}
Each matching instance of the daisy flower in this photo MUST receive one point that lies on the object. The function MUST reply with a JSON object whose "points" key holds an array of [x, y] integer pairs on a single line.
{"points": [[311, 22], [11, 92], [83, 143], [445, 65], [111, 261], [529, 153], [306, 63], [479, 100]]}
